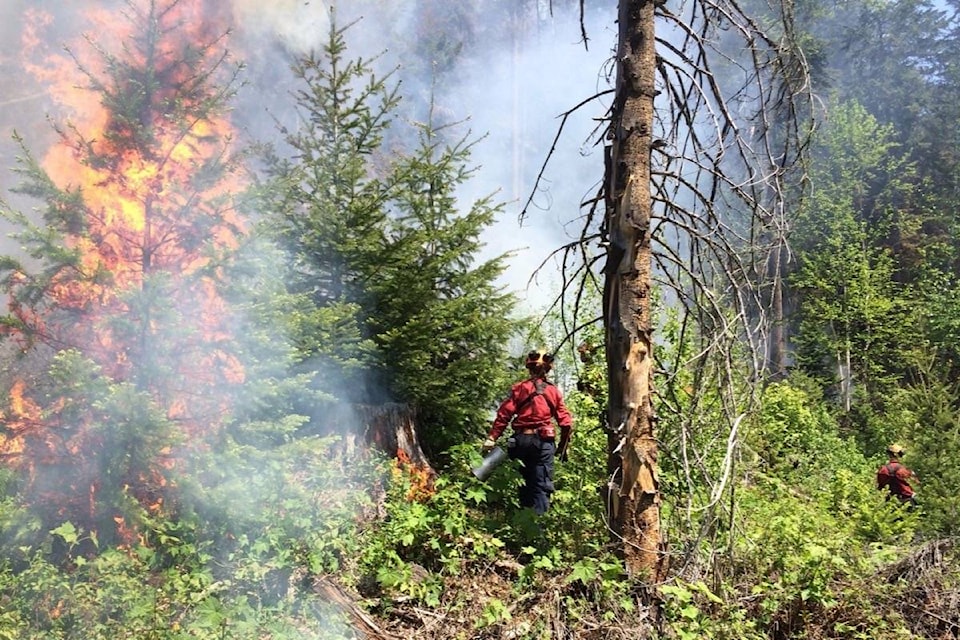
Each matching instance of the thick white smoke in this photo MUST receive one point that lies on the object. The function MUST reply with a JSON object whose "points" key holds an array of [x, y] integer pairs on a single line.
{"points": [[297, 23]]}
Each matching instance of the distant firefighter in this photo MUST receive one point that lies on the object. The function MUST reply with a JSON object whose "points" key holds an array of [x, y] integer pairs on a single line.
{"points": [[895, 477]]}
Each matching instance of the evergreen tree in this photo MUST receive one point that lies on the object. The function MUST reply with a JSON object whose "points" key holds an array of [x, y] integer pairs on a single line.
{"points": [[883, 55], [120, 297], [325, 201], [439, 321], [390, 307]]}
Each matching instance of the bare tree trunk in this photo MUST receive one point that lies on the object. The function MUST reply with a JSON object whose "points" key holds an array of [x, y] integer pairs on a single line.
{"points": [[778, 339], [634, 507]]}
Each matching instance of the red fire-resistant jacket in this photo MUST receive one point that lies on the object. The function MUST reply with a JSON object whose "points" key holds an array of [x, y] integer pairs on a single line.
{"points": [[895, 477], [530, 410]]}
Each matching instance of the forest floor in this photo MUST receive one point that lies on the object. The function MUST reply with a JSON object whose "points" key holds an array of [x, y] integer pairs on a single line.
{"points": [[497, 602]]}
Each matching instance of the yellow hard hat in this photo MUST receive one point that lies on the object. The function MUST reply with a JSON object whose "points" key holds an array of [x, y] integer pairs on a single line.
{"points": [[539, 359], [895, 449]]}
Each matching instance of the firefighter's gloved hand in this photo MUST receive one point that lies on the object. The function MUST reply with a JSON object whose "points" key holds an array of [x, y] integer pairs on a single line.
{"points": [[488, 444]]}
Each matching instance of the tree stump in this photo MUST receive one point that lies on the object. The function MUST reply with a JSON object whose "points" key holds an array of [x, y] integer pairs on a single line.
{"points": [[389, 428]]}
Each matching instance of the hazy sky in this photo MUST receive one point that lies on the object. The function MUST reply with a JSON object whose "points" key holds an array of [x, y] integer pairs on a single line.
{"points": [[511, 92]]}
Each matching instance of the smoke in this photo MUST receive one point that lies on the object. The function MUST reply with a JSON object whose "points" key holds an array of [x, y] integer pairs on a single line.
{"points": [[508, 74], [512, 92], [299, 24], [516, 98]]}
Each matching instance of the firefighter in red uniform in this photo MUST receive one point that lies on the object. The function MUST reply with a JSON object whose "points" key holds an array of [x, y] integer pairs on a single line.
{"points": [[895, 477], [531, 408]]}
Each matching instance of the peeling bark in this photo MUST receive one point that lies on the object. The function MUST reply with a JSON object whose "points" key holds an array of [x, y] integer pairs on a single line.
{"points": [[634, 504]]}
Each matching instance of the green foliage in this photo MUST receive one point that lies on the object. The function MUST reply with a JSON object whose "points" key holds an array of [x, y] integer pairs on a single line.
{"points": [[797, 439], [494, 612], [324, 206], [438, 319], [238, 570], [808, 522], [931, 432], [851, 313], [939, 315], [801, 572], [873, 517], [801, 454], [692, 611], [436, 534], [118, 433], [387, 301]]}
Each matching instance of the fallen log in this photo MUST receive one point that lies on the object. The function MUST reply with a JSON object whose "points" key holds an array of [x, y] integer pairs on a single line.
{"points": [[360, 621]]}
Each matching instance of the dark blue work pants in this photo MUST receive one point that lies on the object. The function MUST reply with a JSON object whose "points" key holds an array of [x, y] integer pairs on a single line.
{"points": [[537, 458]]}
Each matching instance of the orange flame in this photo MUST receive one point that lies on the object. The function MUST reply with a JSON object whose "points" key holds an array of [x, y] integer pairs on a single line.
{"points": [[23, 410], [22, 414], [420, 477], [141, 183], [140, 194]]}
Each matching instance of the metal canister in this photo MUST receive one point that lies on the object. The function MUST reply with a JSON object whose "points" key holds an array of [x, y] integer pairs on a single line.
{"points": [[490, 462]]}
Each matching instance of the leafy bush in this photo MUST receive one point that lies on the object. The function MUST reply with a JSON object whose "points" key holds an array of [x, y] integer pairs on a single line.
{"points": [[797, 439]]}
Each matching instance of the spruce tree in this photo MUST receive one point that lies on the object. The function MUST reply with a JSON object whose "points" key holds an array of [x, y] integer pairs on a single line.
{"points": [[125, 342], [441, 323], [324, 205], [380, 261]]}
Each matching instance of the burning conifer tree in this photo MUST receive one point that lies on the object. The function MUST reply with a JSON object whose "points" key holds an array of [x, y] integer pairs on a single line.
{"points": [[122, 333]]}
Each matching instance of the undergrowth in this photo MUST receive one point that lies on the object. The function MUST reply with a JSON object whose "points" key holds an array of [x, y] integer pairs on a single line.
{"points": [[317, 545]]}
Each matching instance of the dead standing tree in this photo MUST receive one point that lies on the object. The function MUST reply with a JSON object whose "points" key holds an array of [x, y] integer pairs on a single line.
{"points": [[634, 507], [704, 160], [697, 177]]}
